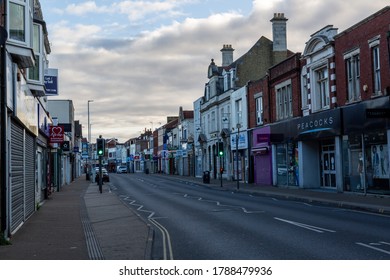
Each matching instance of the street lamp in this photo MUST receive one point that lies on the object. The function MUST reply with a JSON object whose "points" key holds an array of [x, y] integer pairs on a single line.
{"points": [[89, 125], [237, 139], [89, 141]]}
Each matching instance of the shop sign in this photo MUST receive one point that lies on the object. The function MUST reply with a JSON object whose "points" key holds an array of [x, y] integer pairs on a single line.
{"points": [[84, 150], [321, 122], [56, 134], [378, 113], [65, 146]]}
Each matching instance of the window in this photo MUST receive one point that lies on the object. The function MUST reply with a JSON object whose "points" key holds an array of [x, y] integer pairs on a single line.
{"points": [[284, 100], [259, 109], [352, 64], [227, 81], [321, 94], [376, 69], [34, 73], [207, 92], [239, 111], [17, 21], [305, 88], [213, 122]]}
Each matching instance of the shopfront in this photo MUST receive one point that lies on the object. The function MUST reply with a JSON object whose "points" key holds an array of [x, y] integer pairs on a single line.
{"points": [[365, 147], [262, 156], [306, 151]]}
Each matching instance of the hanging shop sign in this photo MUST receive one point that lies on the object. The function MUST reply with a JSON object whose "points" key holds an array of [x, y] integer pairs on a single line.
{"points": [[56, 134]]}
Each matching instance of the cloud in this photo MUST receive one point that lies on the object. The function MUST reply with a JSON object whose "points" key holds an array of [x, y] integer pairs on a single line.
{"points": [[87, 7], [146, 76]]}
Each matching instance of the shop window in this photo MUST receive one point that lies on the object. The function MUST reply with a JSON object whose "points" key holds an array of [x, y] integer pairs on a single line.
{"points": [[366, 163], [287, 164]]}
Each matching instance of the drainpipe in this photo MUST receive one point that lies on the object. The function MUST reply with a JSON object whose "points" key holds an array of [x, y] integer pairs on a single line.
{"points": [[3, 124]]}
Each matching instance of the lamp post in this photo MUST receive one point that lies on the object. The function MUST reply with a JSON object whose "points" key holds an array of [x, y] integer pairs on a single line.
{"points": [[237, 139], [89, 142]]}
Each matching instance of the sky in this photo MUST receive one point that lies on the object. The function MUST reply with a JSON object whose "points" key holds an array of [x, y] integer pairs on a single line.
{"points": [[140, 60]]}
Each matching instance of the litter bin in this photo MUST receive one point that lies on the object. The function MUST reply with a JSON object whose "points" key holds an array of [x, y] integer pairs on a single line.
{"points": [[147, 171], [206, 177]]}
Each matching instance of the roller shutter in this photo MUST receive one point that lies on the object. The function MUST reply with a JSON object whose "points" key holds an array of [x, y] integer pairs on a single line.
{"points": [[17, 176], [22, 179], [29, 175]]}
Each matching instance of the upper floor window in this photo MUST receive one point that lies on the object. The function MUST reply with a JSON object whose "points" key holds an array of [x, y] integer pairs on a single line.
{"points": [[376, 66], [239, 111], [259, 109], [35, 73], [227, 81], [305, 88], [213, 122], [207, 92], [376, 69], [352, 64], [321, 92], [284, 100], [17, 20]]}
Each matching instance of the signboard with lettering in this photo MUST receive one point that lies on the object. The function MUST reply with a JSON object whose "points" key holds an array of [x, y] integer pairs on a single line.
{"points": [[56, 134], [51, 82]]}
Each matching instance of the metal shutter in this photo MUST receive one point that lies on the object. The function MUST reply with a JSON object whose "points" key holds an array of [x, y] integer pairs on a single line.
{"points": [[29, 174], [17, 176]]}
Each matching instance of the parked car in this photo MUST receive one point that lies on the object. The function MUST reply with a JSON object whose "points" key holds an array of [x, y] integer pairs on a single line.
{"points": [[121, 169], [105, 176]]}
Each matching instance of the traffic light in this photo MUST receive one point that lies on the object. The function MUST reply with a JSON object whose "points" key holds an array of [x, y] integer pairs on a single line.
{"points": [[220, 149], [100, 146]]}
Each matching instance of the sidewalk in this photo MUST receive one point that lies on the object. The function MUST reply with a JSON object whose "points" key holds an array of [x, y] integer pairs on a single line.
{"points": [[80, 223], [357, 201]]}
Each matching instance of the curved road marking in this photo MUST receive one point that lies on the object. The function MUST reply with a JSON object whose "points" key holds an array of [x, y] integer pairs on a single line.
{"points": [[167, 246]]}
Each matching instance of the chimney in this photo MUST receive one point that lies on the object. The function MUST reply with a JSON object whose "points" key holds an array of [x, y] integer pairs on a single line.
{"points": [[227, 55], [279, 32]]}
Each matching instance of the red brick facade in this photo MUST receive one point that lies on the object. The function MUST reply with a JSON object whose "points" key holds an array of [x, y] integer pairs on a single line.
{"points": [[358, 37]]}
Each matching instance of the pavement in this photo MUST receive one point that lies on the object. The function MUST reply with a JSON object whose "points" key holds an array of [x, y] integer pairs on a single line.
{"points": [[80, 223]]}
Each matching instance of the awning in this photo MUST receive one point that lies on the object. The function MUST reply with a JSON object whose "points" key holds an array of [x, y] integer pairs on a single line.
{"points": [[261, 149], [23, 56]]}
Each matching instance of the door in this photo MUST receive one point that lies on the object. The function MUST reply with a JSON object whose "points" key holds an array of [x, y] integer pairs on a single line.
{"points": [[328, 166]]}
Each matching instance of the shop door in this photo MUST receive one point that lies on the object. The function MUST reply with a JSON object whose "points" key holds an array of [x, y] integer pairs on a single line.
{"points": [[328, 166]]}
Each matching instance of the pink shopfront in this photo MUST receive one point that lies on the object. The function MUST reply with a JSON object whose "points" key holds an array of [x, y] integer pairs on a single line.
{"points": [[262, 156]]}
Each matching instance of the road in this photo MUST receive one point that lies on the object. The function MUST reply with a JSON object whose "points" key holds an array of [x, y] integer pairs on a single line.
{"points": [[195, 222]]}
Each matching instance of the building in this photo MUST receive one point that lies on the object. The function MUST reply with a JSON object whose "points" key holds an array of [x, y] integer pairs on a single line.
{"points": [[185, 153], [320, 119], [65, 158], [24, 118], [220, 116], [362, 61]]}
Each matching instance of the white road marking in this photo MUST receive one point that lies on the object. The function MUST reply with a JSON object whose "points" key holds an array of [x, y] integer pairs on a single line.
{"points": [[375, 248], [309, 227]]}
